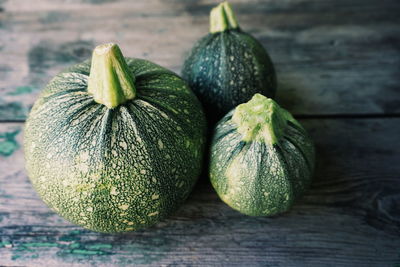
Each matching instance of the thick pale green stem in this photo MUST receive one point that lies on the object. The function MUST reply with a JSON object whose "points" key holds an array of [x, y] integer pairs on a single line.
{"points": [[222, 18], [110, 81], [261, 119]]}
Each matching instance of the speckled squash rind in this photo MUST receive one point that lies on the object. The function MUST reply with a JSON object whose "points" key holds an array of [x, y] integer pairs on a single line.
{"points": [[120, 169], [259, 178], [227, 68]]}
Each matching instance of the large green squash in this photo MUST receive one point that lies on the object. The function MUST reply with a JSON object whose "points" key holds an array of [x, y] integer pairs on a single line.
{"points": [[115, 144], [228, 66], [262, 159]]}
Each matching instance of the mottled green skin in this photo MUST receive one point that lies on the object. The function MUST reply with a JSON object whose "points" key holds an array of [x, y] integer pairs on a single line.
{"points": [[257, 178], [115, 170], [227, 68]]}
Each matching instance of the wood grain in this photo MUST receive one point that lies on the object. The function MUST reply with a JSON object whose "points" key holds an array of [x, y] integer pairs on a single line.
{"points": [[349, 217], [332, 56]]}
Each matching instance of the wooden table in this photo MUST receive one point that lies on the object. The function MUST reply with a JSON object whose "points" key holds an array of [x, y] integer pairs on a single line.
{"points": [[338, 65]]}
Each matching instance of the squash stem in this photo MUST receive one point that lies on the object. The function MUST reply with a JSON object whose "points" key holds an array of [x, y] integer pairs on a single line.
{"points": [[110, 81], [222, 18], [262, 119]]}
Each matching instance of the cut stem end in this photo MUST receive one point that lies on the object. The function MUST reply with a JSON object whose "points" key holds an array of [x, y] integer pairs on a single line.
{"points": [[110, 81], [261, 119], [222, 18]]}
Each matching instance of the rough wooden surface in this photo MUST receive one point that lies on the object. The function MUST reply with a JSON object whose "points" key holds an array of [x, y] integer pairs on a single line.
{"points": [[332, 56], [350, 217], [339, 59]]}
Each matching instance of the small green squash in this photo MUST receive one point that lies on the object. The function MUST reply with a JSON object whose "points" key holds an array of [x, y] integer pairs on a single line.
{"points": [[228, 66], [115, 144], [262, 159]]}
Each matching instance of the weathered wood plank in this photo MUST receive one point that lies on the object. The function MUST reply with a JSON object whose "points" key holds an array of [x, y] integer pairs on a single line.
{"points": [[350, 217], [332, 56]]}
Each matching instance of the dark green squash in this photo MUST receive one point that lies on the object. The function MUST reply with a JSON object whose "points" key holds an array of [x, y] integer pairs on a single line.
{"points": [[115, 144], [262, 159], [228, 66]]}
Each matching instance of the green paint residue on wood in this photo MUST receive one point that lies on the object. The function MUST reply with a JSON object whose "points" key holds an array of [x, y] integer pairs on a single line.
{"points": [[99, 246], [15, 257], [8, 144], [20, 90], [89, 249], [66, 238], [74, 245], [40, 244], [87, 252], [75, 232], [71, 236], [5, 244], [75, 249]]}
